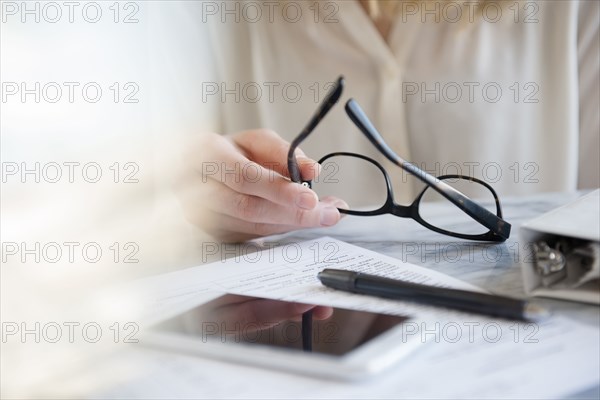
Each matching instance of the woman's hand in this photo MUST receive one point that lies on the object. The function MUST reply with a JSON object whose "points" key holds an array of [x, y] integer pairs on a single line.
{"points": [[237, 187]]}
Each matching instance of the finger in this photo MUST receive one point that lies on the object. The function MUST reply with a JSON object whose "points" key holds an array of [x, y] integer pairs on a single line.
{"points": [[322, 312], [270, 150], [336, 202], [231, 229], [203, 205], [217, 197], [247, 177], [204, 152], [309, 168], [256, 209], [223, 161]]}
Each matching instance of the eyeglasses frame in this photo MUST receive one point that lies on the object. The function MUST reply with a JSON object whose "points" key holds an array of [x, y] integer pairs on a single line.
{"points": [[499, 229]]}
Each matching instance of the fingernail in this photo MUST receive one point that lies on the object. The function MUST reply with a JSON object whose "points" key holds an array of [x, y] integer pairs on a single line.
{"points": [[329, 216], [306, 200]]}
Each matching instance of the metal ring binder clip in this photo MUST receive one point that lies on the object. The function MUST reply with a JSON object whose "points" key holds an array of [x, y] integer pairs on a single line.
{"points": [[548, 260], [550, 263]]}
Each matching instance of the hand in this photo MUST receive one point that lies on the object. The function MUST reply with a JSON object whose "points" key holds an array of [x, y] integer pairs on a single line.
{"points": [[237, 187]]}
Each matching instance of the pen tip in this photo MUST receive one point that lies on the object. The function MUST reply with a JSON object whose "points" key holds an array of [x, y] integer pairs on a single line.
{"points": [[534, 312]]}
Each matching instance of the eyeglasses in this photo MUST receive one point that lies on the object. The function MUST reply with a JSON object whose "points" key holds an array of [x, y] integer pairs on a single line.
{"points": [[478, 223]]}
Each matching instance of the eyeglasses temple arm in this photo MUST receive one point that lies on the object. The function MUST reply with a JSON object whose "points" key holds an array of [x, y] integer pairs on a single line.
{"points": [[331, 98], [474, 210]]}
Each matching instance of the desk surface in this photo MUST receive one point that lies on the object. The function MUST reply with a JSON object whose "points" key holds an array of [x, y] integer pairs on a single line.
{"points": [[492, 267]]}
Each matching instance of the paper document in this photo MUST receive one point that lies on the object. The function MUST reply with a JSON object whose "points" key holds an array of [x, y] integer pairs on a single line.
{"points": [[289, 272]]}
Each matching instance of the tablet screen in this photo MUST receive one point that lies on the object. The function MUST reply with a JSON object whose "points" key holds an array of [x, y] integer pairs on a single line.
{"points": [[265, 322]]}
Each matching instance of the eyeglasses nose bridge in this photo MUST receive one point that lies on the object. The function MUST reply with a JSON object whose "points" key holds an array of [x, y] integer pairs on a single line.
{"points": [[401, 211]]}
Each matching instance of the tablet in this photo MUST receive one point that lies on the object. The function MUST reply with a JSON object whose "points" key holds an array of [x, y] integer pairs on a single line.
{"points": [[310, 339]]}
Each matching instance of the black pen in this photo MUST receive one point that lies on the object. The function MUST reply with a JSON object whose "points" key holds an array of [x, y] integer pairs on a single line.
{"points": [[480, 303]]}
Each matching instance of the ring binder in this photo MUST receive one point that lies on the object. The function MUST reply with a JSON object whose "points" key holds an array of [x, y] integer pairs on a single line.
{"points": [[566, 252]]}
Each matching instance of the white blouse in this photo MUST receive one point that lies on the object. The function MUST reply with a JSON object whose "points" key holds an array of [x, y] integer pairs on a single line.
{"points": [[509, 93]]}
